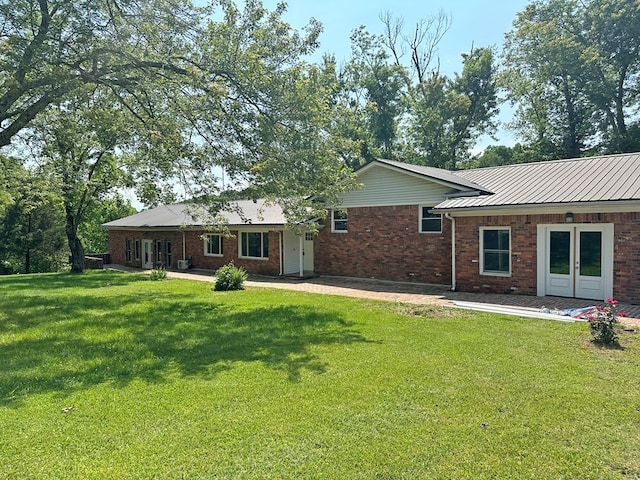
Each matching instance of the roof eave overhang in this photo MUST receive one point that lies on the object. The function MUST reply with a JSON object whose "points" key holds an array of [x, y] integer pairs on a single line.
{"points": [[243, 226], [555, 208]]}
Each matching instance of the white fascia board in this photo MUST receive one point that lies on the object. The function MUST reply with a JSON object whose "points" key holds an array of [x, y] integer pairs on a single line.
{"points": [[538, 209]]}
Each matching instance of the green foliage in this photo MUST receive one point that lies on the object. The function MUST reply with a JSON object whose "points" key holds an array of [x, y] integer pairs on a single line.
{"points": [[229, 277], [275, 384], [448, 116], [603, 323], [95, 239], [31, 223], [412, 111], [161, 95], [159, 273], [572, 68]]}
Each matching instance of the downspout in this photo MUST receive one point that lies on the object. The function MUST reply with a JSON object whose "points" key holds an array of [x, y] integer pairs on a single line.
{"points": [[453, 251], [280, 236]]}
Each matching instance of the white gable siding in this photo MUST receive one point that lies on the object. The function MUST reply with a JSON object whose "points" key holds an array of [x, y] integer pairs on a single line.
{"points": [[386, 187]]}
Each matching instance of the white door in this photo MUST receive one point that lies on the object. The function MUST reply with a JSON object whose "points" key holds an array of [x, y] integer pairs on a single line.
{"points": [[578, 261], [308, 252], [147, 253], [291, 253]]}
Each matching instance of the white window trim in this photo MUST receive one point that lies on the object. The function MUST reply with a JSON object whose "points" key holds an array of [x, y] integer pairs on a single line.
{"points": [[206, 243], [333, 221], [263, 232], [420, 218], [481, 242]]}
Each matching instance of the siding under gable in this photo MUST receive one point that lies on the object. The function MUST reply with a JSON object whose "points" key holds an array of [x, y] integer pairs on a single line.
{"points": [[386, 187]]}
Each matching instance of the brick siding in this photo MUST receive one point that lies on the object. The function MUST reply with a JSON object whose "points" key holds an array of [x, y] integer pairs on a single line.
{"points": [[194, 249], [523, 280], [384, 243]]}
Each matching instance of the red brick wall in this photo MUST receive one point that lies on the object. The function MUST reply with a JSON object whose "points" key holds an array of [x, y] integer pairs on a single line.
{"points": [[194, 248], [626, 279], [384, 243], [626, 257]]}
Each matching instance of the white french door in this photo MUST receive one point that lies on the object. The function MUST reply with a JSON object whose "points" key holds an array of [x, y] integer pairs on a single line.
{"points": [[147, 253], [577, 260]]}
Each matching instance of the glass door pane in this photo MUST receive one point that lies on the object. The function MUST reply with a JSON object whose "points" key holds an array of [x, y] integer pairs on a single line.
{"points": [[560, 253], [591, 254]]}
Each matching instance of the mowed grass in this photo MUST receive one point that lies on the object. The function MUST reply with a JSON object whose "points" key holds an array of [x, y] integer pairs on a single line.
{"points": [[171, 380]]}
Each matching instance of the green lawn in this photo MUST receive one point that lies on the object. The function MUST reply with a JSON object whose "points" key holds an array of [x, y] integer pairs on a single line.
{"points": [[171, 380]]}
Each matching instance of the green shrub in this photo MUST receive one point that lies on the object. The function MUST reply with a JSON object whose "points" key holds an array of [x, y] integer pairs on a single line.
{"points": [[158, 274], [229, 277]]}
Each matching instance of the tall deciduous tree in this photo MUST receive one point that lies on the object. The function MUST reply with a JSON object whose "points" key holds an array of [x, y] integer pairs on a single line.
{"points": [[166, 93], [573, 69], [375, 85], [448, 116], [417, 113]]}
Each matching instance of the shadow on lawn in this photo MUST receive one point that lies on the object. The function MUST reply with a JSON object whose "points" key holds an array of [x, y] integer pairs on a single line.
{"points": [[11, 284], [79, 342]]}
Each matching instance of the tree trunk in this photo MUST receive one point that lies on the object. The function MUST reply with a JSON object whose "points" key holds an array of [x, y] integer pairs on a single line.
{"points": [[75, 245]]}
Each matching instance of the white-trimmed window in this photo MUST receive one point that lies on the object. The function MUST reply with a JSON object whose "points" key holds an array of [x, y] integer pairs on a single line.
{"points": [[213, 245], [495, 251], [254, 245], [430, 222], [339, 220]]}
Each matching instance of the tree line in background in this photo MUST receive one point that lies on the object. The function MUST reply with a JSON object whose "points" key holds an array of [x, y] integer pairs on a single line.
{"points": [[173, 100]]}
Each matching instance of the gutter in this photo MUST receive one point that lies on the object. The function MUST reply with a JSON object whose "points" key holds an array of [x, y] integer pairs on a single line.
{"points": [[453, 251]]}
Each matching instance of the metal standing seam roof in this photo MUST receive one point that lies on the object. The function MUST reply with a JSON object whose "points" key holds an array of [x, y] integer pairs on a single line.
{"points": [[580, 180], [179, 214]]}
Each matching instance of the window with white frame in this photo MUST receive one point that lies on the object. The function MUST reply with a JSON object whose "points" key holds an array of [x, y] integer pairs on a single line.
{"points": [[430, 222], [213, 245], [495, 251], [254, 245], [339, 221]]}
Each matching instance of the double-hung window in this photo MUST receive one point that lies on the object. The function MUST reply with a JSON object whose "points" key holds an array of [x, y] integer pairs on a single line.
{"points": [[430, 222], [254, 245], [339, 221], [213, 245], [495, 251]]}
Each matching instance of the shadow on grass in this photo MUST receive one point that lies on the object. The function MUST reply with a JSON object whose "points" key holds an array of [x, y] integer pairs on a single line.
{"points": [[73, 342], [11, 284]]}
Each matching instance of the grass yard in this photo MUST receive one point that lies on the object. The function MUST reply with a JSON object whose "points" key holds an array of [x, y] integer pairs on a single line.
{"points": [[110, 375]]}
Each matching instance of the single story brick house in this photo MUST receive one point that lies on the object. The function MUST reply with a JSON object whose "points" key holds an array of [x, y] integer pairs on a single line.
{"points": [[565, 228], [169, 236]]}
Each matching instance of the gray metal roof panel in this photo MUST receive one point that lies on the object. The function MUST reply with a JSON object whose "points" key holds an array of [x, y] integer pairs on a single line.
{"points": [[606, 178], [244, 212]]}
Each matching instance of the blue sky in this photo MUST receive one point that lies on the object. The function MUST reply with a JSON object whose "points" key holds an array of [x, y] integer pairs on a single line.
{"points": [[475, 23]]}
